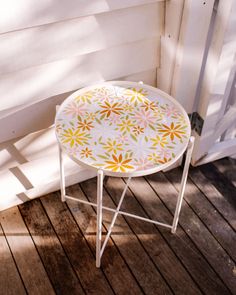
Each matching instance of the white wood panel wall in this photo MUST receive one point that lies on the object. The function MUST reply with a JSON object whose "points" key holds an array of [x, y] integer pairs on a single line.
{"points": [[49, 49], [82, 35], [39, 62], [15, 15]]}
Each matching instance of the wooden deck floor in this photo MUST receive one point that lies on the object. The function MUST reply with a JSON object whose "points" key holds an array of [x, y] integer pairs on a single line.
{"points": [[48, 247]]}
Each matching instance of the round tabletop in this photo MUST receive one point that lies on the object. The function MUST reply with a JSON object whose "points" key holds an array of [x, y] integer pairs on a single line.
{"points": [[122, 128]]}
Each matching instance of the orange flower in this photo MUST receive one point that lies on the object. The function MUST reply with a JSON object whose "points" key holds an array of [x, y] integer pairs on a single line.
{"points": [[149, 105], [172, 131], [111, 108], [85, 125], [138, 129], [86, 153], [164, 160], [118, 164]]}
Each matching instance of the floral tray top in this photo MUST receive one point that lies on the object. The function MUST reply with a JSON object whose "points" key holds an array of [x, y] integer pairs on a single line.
{"points": [[122, 128]]}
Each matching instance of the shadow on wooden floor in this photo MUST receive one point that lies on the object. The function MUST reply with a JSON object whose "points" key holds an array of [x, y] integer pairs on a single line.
{"points": [[48, 247]]}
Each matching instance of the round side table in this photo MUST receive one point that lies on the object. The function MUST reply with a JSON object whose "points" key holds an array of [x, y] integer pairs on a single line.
{"points": [[122, 129]]}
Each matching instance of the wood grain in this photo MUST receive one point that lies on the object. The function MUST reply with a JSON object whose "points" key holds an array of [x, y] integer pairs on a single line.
{"points": [[10, 280], [153, 242], [197, 231], [50, 249], [113, 264], [35, 279], [214, 196], [75, 246], [221, 183], [181, 244], [227, 166], [57, 248], [130, 247], [219, 228]]}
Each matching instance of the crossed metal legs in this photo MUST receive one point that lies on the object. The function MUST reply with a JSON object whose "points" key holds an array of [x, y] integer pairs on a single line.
{"points": [[99, 246]]}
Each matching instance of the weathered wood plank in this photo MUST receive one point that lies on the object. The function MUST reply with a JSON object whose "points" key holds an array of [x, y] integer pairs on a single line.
{"points": [[214, 196], [221, 183], [10, 280], [56, 264], [153, 242], [207, 280], [75, 246], [130, 248], [219, 228], [227, 166], [27, 259], [113, 265], [206, 243]]}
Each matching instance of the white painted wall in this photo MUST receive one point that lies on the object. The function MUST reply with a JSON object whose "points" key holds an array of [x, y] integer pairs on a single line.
{"points": [[217, 100], [49, 49]]}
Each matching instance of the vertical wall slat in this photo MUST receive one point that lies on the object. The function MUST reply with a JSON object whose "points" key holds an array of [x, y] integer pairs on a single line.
{"points": [[217, 79], [169, 41], [191, 46]]}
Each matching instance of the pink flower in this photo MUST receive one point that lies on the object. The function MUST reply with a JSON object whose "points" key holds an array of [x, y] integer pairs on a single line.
{"points": [[75, 109], [103, 93], [114, 118], [164, 153], [171, 111], [144, 118], [122, 138], [143, 163]]}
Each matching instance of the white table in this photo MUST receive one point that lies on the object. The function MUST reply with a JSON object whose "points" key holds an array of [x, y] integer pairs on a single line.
{"points": [[122, 129]]}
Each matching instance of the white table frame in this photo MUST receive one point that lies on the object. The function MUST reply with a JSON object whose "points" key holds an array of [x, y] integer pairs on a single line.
{"points": [[100, 176]]}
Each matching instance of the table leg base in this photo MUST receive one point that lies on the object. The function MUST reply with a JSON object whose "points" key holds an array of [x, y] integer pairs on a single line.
{"points": [[101, 247]]}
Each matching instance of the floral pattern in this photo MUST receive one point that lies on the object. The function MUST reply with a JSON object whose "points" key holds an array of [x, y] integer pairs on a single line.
{"points": [[122, 129]]}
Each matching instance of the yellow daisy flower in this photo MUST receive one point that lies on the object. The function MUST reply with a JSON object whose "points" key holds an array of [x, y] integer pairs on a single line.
{"points": [[86, 97], [74, 136], [113, 146], [158, 140], [136, 95], [118, 164], [154, 157], [128, 107], [125, 125]]}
